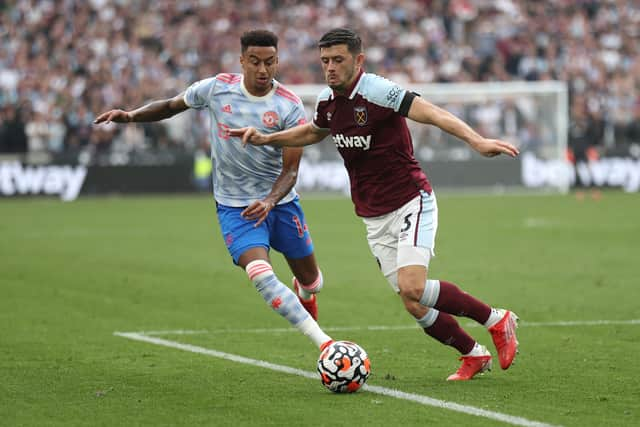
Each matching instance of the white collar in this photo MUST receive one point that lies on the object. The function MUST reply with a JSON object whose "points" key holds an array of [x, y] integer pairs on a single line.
{"points": [[262, 98]]}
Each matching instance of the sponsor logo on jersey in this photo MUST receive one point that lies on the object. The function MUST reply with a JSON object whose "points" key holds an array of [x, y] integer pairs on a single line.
{"points": [[360, 114], [226, 108], [270, 119], [362, 142]]}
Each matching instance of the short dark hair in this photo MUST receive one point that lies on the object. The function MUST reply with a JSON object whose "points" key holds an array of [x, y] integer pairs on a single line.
{"points": [[258, 38], [342, 36]]}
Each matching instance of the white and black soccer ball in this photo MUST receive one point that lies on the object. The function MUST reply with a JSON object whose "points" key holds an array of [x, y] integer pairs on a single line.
{"points": [[343, 367]]}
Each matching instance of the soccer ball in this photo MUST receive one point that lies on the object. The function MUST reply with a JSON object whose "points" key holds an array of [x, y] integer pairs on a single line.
{"points": [[343, 366]]}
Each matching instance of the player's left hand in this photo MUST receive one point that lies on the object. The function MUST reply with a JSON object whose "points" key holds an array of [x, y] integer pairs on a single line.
{"points": [[258, 210], [495, 147]]}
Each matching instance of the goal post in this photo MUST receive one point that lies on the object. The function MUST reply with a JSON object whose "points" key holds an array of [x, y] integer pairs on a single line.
{"points": [[532, 115]]}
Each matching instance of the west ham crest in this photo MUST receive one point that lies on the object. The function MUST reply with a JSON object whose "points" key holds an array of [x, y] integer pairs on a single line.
{"points": [[360, 114]]}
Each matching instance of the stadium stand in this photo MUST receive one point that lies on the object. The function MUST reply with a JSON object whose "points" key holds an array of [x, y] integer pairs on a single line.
{"points": [[63, 61]]}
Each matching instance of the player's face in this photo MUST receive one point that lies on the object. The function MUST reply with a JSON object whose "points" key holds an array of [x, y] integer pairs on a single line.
{"points": [[340, 67], [259, 65]]}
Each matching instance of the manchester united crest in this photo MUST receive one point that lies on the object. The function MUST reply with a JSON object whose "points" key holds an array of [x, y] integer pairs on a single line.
{"points": [[360, 115], [270, 119]]}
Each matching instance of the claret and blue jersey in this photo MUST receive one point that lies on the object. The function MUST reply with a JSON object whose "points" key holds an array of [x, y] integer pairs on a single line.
{"points": [[370, 132], [243, 175]]}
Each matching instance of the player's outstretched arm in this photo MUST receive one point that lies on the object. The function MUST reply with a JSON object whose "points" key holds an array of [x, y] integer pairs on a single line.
{"points": [[298, 136], [152, 112], [425, 112]]}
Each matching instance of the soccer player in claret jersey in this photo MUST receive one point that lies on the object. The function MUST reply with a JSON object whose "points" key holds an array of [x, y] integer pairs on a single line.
{"points": [[365, 115], [256, 202]]}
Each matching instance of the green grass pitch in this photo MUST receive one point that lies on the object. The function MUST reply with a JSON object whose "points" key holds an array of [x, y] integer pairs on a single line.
{"points": [[72, 274]]}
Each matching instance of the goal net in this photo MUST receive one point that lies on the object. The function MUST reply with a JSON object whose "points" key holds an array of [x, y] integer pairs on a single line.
{"points": [[532, 115]]}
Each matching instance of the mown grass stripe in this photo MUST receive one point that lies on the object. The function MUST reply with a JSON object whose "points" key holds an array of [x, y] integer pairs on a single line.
{"points": [[412, 397]]}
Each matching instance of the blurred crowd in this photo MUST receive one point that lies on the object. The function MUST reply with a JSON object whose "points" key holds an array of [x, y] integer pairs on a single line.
{"points": [[62, 62]]}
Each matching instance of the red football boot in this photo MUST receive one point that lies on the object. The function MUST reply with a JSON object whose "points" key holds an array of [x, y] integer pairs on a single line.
{"points": [[504, 338], [472, 365], [311, 304]]}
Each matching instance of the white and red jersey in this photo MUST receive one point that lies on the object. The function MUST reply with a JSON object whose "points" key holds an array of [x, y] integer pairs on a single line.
{"points": [[243, 175], [371, 134]]}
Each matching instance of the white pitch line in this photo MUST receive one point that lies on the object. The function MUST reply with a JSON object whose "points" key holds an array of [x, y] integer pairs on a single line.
{"points": [[582, 323], [424, 400], [388, 327], [176, 332]]}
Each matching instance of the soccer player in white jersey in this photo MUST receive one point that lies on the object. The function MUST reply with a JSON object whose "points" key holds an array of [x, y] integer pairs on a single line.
{"points": [[365, 115], [256, 202]]}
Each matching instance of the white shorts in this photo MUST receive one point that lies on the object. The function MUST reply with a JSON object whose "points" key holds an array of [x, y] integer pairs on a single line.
{"points": [[405, 236]]}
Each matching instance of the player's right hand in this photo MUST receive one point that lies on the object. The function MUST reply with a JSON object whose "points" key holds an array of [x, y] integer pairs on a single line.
{"points": [[250, 135], [117, 116]]}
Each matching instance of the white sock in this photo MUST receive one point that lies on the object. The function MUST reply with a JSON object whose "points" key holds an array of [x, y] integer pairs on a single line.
{"points": [[306, 292], [477, 350], [303, 293], [310, 328], [494, 317], [282, 300]]}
